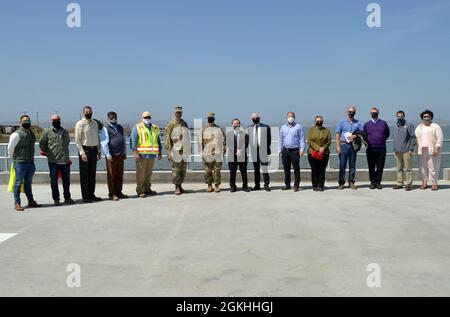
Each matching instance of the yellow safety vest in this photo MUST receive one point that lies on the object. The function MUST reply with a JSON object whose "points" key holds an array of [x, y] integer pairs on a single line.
{"points": [[147, 142]]}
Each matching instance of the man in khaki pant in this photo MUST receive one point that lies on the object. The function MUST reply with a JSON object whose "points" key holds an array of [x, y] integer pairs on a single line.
{"points": [[146, 145], [404, 144]]}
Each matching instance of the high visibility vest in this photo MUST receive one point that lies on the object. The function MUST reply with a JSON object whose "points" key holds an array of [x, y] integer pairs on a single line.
{"points": [[147, 142]]}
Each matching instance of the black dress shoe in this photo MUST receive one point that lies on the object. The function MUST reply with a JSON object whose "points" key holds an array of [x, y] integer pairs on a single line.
{"points": [[373, 186], [246, 189], [232, 189], [379, 186], [321, 189], [256, 188], [87, 201], [33, 204], [286, 188], [296, 188], [267, 188], [316, 189], [69, 201], [95, 198]]}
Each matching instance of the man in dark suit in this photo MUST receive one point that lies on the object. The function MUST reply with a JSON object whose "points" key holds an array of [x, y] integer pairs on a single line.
{"points": [[260, 138], [237, 144]]}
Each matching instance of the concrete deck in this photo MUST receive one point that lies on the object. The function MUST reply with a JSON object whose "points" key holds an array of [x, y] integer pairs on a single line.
{"points": [[242, 244]]}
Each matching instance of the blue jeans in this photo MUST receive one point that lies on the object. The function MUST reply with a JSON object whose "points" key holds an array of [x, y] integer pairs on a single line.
{"points": [[24, 173], [65, 177], [348, 154]]}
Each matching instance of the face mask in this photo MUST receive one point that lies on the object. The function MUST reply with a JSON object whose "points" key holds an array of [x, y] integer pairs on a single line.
{"points": [[290, 119], [319, 123], [88, 115], [56, 124], [374, 115], [113, 121], [256, 120], [351, 115], [26, 125], [211, 120], [146, 121], [427, 120], [401, 121], [237, 127]]}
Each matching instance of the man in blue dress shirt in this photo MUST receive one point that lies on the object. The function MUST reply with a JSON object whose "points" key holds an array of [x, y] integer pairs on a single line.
{"points": [[345, 135], [291, 148]]}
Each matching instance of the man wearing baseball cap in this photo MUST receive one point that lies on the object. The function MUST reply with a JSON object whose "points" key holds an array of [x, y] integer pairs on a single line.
{"points": [[146, 146]]}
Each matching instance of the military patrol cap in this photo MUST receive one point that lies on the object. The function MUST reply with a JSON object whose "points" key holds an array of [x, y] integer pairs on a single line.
{"points": [[210, 115]]}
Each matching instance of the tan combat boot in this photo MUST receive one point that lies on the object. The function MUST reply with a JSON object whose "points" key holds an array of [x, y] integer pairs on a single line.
{"points": [[177, 190], [217, 189], [210, 188]]}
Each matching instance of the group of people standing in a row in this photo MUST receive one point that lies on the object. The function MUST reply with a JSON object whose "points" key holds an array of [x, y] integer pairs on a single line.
{"points": [[237, 144]]}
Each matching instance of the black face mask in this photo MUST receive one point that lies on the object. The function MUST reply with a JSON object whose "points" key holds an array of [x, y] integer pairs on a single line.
{"points": [[26, 125], [351, 115], [319, 123], [88, 115], [256, 120], [374, 115], [56, 124], [211, 120], [401, 121]]}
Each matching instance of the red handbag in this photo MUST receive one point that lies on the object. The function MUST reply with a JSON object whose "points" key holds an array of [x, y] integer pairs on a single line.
{"points": [[317, 155]]}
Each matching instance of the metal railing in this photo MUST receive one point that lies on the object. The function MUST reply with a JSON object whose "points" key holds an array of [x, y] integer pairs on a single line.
{"points": [[6, 160]]}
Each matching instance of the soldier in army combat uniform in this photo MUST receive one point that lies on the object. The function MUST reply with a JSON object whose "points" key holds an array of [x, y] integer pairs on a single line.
{"points": [[212, 146], [177, 141]]}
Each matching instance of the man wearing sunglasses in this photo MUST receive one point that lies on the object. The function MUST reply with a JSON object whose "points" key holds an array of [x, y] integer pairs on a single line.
{"points": [[345, 135], [146, 146]]}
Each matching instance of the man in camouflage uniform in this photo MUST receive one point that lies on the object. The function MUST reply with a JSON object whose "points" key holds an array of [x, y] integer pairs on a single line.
{"points": [[177, 141], [212, 147]]}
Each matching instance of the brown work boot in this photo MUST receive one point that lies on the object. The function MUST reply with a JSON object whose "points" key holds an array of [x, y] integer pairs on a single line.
{"points": [[177, 190], [217, 189], [142, 195], [352, 186], [19, 208], [114, 198], [210, 188], [182, 189]]}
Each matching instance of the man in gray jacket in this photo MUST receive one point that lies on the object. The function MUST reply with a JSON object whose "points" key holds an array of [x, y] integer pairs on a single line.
{"points": [[404, 144]]}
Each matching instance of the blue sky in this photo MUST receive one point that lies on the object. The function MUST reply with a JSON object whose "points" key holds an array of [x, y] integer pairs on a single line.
{"points": [[233, 57]]}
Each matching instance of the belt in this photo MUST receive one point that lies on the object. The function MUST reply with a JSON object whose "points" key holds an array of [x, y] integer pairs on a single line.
{"points": [[292, 150], [89, 147]]}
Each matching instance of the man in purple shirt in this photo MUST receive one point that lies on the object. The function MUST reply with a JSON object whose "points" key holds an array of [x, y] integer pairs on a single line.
{"points": [[377, 132], [291, 148]]}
